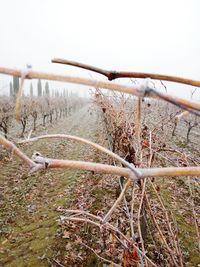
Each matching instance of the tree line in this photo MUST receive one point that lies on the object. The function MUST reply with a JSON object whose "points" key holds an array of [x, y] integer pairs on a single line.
{"points": [[45, 107]]}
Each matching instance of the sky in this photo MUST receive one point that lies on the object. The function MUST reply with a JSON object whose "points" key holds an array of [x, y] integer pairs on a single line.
{"points": [[148, 36]]}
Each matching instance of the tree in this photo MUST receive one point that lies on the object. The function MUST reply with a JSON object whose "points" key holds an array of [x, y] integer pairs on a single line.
{"points": [[31, 90], [47, 92], [52, 93], [11, 90], [15, 86], [39, 88]]}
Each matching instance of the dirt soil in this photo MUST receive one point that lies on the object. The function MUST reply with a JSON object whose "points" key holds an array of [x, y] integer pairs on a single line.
{"points": [[29, 231]]}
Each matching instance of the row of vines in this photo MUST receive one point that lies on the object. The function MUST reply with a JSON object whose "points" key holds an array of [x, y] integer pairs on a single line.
{"points": [[143, 225], [140, 131], [36, 110]]}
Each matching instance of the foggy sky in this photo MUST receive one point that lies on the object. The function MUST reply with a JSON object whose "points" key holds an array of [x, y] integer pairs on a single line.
{"points": [[148, 36]]}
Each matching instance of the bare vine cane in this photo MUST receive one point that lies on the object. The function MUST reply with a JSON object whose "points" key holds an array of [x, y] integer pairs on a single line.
{"points": [[137, 91], [83, 140], [112, 75], [18, 105]]}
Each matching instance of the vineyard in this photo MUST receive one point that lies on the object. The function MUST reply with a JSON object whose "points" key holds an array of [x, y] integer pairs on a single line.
{"points": [[36, 110], [112, 180]]}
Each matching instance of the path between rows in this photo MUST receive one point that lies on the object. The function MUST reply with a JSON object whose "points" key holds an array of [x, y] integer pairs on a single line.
{"points": [[28, 226]]}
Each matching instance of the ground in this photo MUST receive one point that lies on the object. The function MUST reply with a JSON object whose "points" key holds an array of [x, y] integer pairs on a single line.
{"points": [[28, 216], [30, 233]]}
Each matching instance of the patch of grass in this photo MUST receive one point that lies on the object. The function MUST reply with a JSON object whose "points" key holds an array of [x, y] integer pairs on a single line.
{"points": [[93, 261], [181, 144], [187, 233]]}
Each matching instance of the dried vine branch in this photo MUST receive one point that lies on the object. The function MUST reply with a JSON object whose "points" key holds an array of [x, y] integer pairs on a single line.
{"points": [[107, 226], [85, 141], [40, 162], [112, 75], [12, 147], [140, 91], [108, 215]]}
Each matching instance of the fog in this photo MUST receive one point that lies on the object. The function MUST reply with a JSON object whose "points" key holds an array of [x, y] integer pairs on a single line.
{"points": [[148, 36]]}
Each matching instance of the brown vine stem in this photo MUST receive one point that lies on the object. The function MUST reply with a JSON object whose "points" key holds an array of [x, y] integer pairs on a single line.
{"points": [[139, 214], [71, 213], [115, 205], [168, 224], [143, 185], [103, 259], [111, 75], [109, 169], [112, 228], [139, 129], [85, 141], [170, 171], [43, 162], [132, 209], [12, 147], [137, 90], [160, 232]]}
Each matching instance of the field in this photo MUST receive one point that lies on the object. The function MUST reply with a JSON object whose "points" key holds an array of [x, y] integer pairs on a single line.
{"points": [[29, 203], [88, 215]]}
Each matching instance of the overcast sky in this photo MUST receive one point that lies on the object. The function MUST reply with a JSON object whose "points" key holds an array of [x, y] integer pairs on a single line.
{"points": [[149, 36]]}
